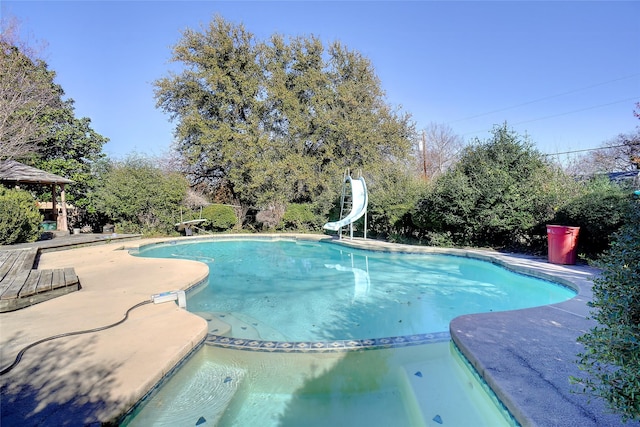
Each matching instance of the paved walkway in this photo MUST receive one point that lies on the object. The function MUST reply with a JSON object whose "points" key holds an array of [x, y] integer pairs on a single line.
{"points": [[525, 355]]}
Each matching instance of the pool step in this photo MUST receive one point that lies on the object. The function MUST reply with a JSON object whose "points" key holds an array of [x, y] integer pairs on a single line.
{"points": [[215, 325], [200, 398], [268, 409], [438, 392], [238, 325]]}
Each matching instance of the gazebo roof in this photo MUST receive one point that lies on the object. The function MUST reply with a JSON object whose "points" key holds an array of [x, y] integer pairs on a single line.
{"points": [[12, 171]]}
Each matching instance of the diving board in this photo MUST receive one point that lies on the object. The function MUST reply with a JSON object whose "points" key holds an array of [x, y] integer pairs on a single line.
{"points": [[186, 226]]}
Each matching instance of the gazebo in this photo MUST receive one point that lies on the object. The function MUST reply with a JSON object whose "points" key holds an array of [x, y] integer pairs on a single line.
{"points": [[15, 173]]}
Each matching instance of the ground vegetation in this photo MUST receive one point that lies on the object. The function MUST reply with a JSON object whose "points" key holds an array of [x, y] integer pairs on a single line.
{"points": [[599, 207], [219, 217], [611, 356], [19, 217]]}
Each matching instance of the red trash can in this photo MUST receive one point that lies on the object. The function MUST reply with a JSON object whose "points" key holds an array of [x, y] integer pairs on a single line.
{"points": [[563, 243]]}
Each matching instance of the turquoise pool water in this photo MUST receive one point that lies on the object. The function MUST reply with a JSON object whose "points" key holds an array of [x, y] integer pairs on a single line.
{"points": [[405, 387], [268, 293], [287, 290]]}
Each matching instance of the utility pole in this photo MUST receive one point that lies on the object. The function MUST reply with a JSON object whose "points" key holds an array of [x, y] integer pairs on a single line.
{"points": [[424, 155]]}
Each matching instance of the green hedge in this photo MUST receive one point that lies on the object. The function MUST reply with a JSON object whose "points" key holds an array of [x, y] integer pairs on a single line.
{"points": [[139, 197], [599, 211], [220, 217], [495, 196], [299, 216]]}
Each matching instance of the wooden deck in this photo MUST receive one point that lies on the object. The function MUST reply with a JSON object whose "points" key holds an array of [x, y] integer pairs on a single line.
{"points": [[21, 285]]}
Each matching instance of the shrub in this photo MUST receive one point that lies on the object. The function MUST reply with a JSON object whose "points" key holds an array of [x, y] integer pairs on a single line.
{"points": [[220, 217], [299, 216], [140, 197], [599, 211], [393, 194], [612, 349], [497, 195], [19, 217], [447, 208]]}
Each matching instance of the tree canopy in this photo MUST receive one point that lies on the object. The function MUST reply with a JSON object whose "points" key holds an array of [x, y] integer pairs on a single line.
{"points": [[71, 148], [38, 125], [438, 150], [28, 96], [618, 154], [277, 121]]}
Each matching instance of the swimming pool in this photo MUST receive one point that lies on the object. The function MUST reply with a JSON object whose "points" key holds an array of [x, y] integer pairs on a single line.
{"points": [[292, 290], [311, 312]]}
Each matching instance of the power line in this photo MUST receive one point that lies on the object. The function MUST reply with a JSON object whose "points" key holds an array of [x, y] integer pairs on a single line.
{"points": [[562, 114], [588, 149], [579, 110], [544, 98]]}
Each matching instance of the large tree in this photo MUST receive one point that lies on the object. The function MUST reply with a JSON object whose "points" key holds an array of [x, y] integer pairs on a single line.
{"points": [[38, 125], [619, 154], [71, 148], [277, 121]]}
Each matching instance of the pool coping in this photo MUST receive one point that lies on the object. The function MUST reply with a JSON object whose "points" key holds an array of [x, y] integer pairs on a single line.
{"points": [[525, 355]]}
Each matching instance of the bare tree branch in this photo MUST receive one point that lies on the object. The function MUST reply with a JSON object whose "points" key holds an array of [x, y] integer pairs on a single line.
{"points": [[438, 149], [27, 91]]}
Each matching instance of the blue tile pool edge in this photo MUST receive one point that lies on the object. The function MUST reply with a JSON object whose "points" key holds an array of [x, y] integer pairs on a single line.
{"points": [[332, 346]]}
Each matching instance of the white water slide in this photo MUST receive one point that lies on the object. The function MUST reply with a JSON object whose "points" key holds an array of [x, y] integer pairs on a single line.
{"points": [[359, 201]]}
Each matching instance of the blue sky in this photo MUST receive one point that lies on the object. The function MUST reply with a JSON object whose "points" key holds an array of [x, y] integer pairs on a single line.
{"points": [[565, 73]]}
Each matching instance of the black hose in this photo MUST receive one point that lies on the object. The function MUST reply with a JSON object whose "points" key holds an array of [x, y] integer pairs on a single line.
{"points": [[69, 334]]}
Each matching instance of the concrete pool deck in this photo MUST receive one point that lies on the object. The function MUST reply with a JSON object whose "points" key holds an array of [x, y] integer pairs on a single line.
{"points": [[526, 355], [92, 379]]}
